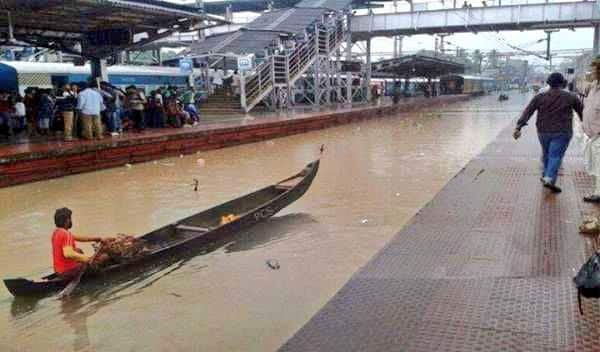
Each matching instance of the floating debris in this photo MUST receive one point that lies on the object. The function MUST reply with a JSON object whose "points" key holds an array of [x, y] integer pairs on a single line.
{"points": [[201, 162], [397, 194], [129, 166], [273, 264], [270, 143], [364, 221], [479, 173], [180, 155]]}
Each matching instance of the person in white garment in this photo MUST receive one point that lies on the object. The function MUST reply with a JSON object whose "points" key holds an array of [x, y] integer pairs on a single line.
{"points": [[218, 76], [591, 127]]}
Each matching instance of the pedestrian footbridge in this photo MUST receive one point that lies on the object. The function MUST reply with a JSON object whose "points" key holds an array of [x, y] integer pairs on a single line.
{"points": [[480, 19]]}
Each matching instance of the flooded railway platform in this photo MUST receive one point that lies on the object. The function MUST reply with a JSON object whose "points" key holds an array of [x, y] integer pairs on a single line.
{"points": [[27, 162], [374, 176], [487, 265]]}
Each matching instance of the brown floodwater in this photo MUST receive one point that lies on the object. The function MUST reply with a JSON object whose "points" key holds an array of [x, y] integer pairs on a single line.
{"points": [[374, 176]]}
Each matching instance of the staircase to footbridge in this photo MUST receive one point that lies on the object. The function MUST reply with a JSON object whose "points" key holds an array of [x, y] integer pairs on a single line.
{"points": [[287, 45]]}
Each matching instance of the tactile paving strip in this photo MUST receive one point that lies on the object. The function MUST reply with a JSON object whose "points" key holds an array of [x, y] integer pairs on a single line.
{"points": [[485, 266]]}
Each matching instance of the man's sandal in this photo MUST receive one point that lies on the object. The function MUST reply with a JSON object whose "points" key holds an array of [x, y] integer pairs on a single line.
{"points": [[592, 199]]}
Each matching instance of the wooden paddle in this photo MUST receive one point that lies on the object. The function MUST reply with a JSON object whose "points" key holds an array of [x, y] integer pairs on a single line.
{"points": [[66, 292]]}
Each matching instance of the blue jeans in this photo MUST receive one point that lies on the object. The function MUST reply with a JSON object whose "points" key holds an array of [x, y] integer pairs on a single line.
{"points": [[191, 109], [114, 120], [554, 146]]}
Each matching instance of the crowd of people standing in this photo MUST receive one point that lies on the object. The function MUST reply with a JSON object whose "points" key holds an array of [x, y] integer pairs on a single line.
{"points": [[91, 110]]}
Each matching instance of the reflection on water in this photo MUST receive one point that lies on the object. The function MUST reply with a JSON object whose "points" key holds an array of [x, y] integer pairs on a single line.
{"points": [[22, 306], [269, 232], [374, 176]]}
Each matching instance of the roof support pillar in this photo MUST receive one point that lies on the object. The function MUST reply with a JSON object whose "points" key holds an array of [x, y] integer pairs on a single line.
{"points": [[11, 30], [243, 102], [99, 69], [398, 45], [596, 39], [348, 59], [368, 70]]}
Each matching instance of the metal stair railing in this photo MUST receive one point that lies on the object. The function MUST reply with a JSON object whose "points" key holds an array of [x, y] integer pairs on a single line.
{"points": [[301, 58], [286, 69], [280, 69], [259, 84], [276, 68]]}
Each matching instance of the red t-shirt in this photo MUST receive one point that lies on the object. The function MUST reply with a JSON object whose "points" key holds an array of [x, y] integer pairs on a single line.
{"points": [[62, 238]]}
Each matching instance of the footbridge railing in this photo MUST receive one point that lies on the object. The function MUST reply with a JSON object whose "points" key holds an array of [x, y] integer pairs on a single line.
{"points": [[478, 19]]}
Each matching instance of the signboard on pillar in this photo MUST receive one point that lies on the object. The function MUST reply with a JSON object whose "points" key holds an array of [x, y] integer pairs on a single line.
{"points": [[186, 66], [109, 37], [97, 43], [244, 63]]}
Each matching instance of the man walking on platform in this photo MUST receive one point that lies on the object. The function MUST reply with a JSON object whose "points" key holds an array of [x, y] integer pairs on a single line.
{"points": [[554, 125], [591, 127]]}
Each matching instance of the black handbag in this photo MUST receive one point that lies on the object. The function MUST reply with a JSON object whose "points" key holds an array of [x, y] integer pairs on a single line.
{"points": [[587, 280]]}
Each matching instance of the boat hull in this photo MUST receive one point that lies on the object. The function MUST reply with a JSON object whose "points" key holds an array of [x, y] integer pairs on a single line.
{"points": [[24, 287]]}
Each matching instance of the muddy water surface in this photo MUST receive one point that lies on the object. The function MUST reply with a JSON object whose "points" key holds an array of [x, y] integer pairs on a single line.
{"points": [[374, 176]]}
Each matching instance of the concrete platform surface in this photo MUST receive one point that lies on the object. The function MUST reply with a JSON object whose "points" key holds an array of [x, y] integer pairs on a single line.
{"points": [[487, 265]]}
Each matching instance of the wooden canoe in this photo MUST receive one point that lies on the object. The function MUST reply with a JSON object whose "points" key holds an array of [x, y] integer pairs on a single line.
{"points": [[191, 232]]}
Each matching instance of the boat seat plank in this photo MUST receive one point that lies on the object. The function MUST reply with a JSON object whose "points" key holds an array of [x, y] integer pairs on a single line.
{"points": [[192, 228], [284, 187]]}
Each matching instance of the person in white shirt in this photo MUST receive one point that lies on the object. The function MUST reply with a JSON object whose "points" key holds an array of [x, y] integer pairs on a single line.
{"points": [[90, 103], [236, 83], [591, 127], [20, 112], [218, 76]]}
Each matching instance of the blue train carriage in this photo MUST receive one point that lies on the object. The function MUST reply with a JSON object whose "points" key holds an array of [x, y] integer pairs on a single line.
{"points": [[465, 84], [18, 75], [416, 86]]}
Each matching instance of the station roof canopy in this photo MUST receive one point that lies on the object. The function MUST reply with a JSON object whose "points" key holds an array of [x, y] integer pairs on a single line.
{"points": [[109, 22], [259, 34], [236, 43], [416, 66]]}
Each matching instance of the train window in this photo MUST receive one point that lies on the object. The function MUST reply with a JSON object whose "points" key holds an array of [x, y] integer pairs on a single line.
{"points": [[59, 80]]}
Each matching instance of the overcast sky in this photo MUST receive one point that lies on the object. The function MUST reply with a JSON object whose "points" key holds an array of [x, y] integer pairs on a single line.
{"points": [[485, 41]]}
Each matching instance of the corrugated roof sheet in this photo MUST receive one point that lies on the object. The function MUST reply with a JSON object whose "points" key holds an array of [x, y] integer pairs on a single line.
{"points": [[241, 42], [417, 66], [265, 29], [294, 20], [328, 4]]}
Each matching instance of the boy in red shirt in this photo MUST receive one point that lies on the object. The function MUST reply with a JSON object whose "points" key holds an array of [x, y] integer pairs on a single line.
{"points": [[66, 256]]}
